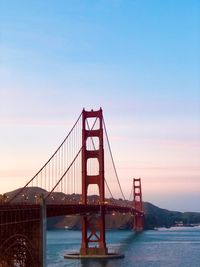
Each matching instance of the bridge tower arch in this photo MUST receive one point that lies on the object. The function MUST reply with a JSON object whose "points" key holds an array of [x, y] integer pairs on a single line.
{"points": [[93, 227]]}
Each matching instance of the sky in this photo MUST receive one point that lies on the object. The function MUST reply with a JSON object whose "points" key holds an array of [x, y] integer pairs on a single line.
{"points": [[138, 60]]}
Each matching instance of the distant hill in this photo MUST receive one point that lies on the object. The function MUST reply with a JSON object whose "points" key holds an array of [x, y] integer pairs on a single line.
{"points": [[154, 216], [157, 217]]}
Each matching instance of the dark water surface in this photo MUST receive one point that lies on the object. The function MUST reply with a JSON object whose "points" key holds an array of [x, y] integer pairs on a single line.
{"points": [[163, 248]]}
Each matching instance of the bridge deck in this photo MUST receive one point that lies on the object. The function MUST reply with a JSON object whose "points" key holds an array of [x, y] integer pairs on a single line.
{"points": [[14, 212]]}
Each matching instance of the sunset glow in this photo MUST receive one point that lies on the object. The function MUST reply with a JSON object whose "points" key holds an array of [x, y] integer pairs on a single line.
{"points": [[140, 62]]}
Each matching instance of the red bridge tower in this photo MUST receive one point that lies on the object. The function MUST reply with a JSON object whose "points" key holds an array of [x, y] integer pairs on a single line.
{"points": [[137, 204], [93, 228]]}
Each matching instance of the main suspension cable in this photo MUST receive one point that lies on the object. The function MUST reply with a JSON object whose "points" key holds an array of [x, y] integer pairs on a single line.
{"points": [[21, 190], [115, 170]]}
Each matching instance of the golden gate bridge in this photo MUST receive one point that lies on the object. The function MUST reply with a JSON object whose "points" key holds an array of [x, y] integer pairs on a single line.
{"points": [[78, 166]]}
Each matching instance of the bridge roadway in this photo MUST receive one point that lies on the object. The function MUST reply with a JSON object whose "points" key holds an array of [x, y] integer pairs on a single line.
{"points": [[70, 209], [12, 211]]}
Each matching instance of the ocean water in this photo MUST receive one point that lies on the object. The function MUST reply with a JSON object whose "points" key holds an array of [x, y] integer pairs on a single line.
{"points": [[172, 247]]}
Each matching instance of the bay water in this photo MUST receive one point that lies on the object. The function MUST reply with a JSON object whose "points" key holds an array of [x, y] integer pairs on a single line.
{"points": [[174, 247]]}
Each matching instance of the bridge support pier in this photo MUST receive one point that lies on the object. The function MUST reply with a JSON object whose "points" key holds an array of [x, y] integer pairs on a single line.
{"points": [[43, 224], [22, 235], [139, 223], [93, 231]]}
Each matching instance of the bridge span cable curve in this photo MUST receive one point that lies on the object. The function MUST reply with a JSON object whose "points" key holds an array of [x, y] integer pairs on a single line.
{"points": [[20, 191], [115, 170], [54, 164], [71, 164]]}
